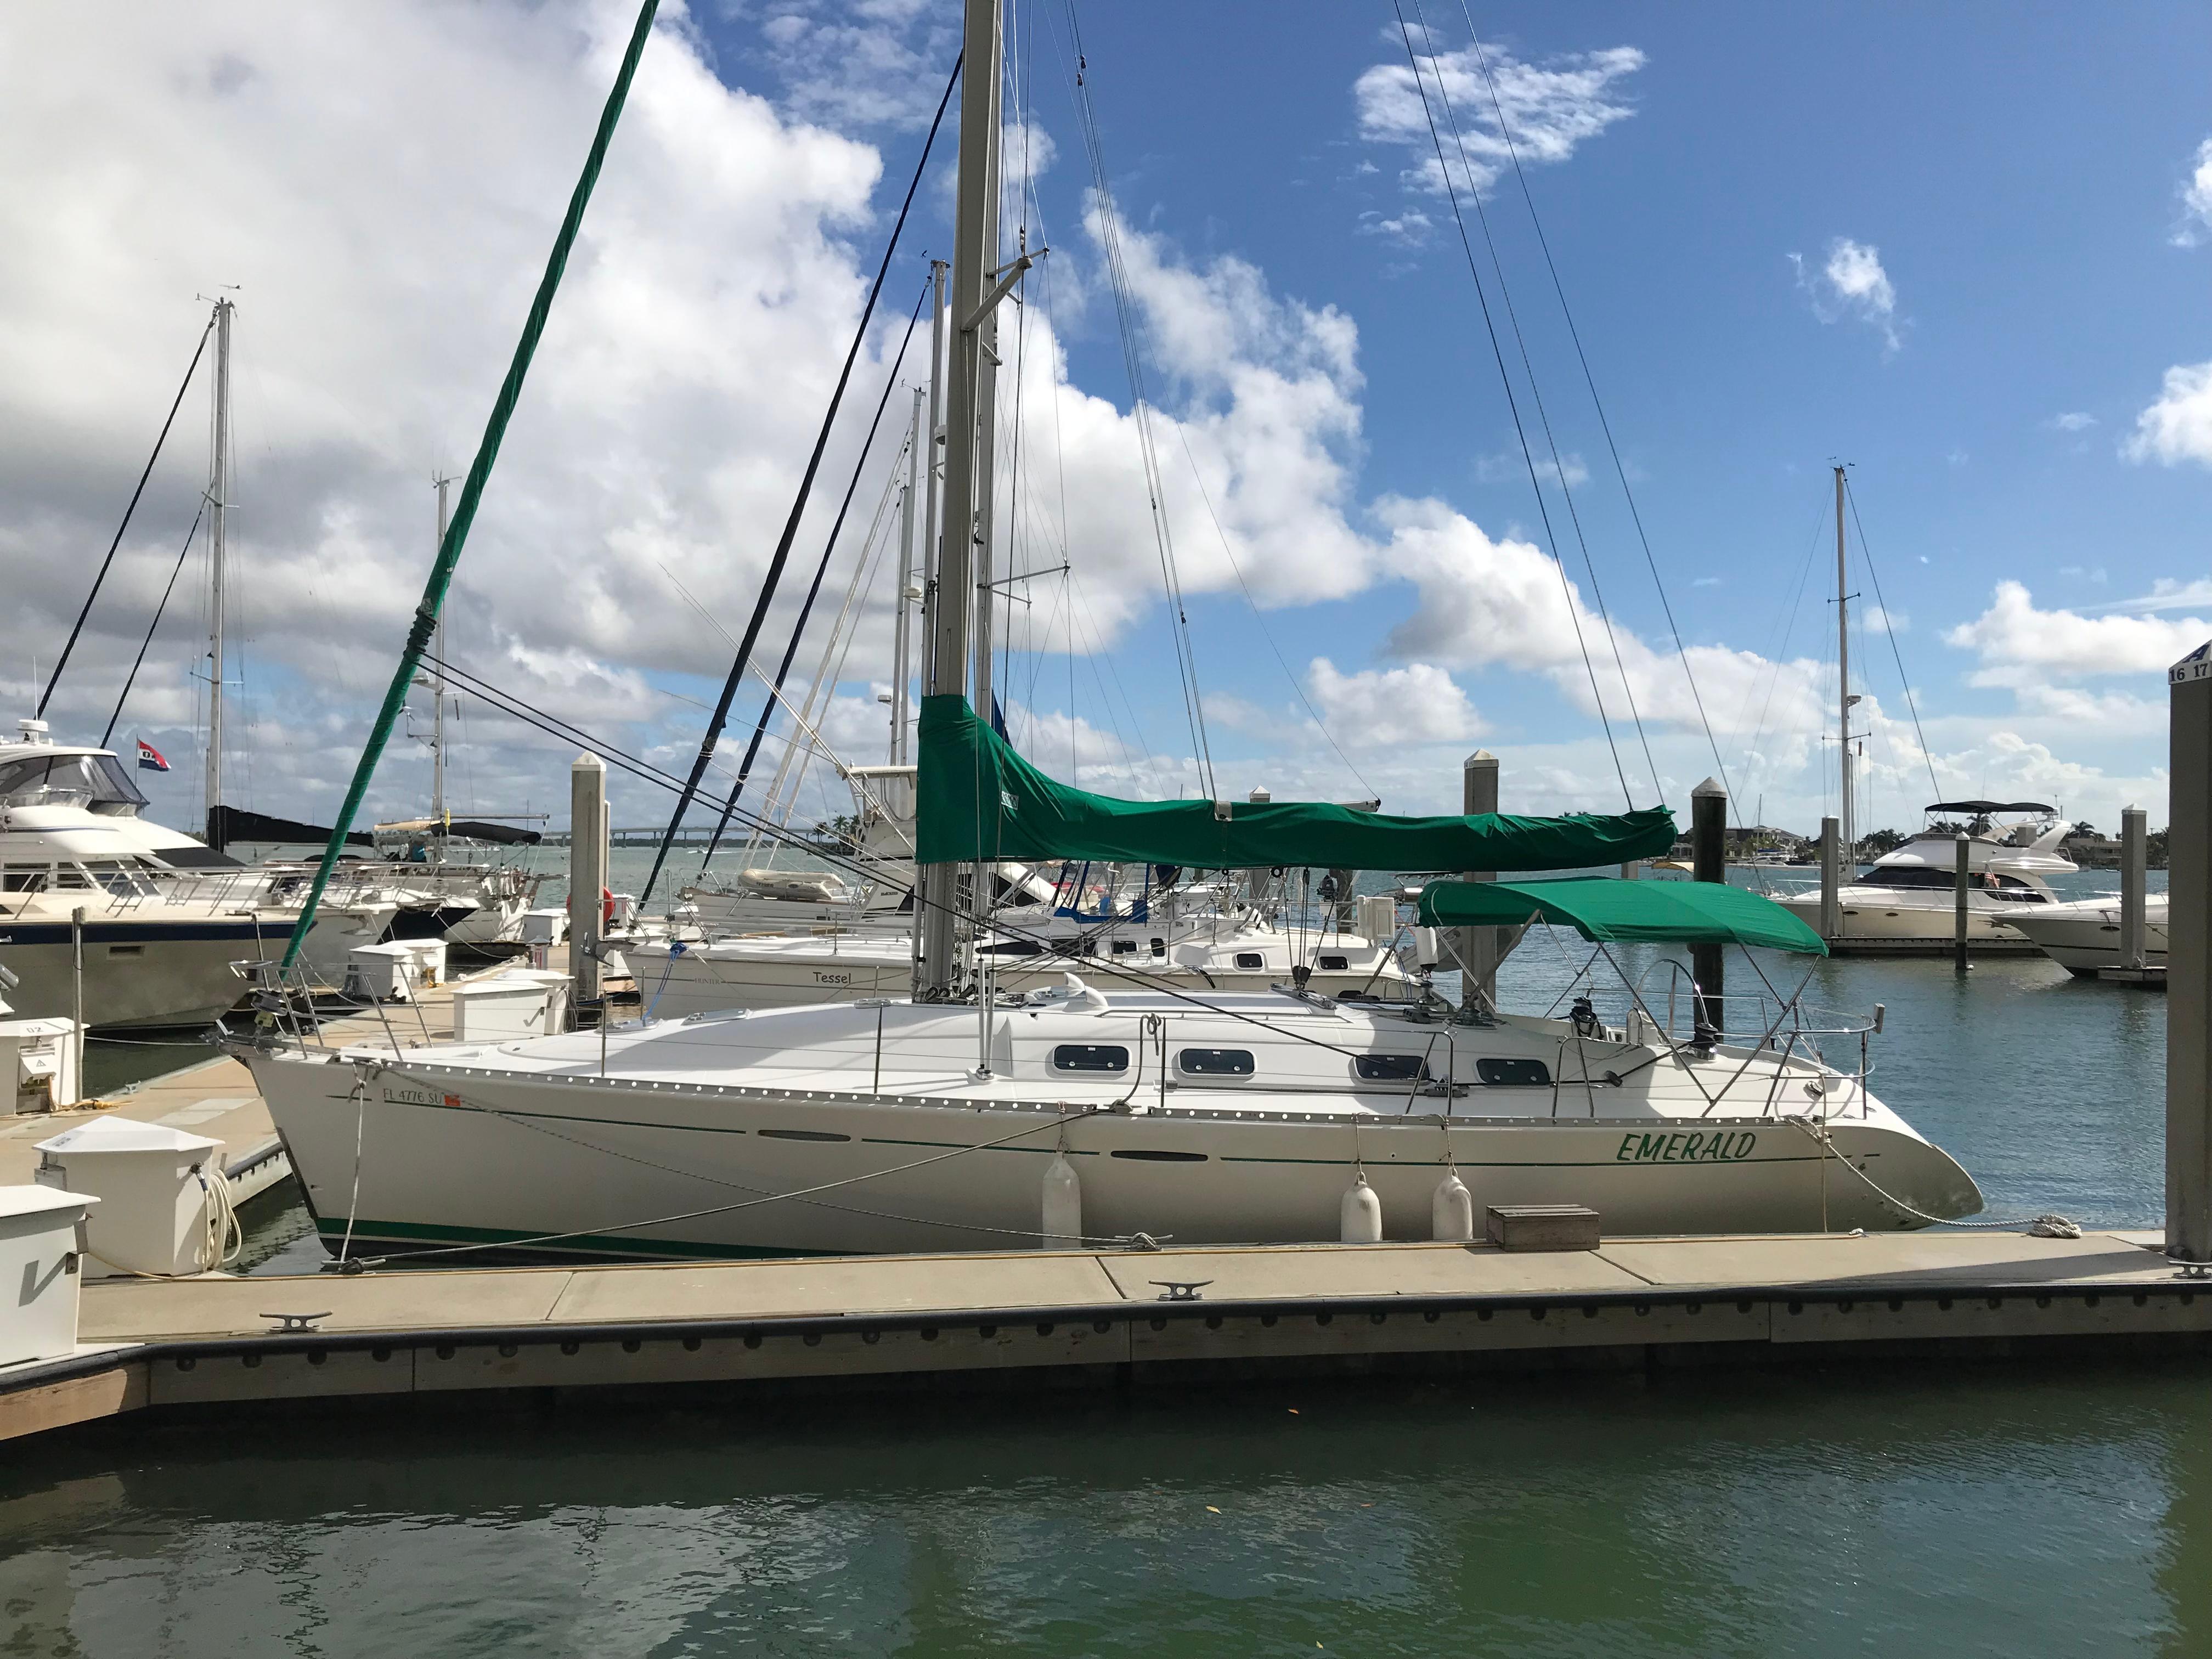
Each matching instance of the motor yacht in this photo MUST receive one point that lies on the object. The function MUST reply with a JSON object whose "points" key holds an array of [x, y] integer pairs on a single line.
{"points": [[2084, 935], [1910, 895], [164, 917]]}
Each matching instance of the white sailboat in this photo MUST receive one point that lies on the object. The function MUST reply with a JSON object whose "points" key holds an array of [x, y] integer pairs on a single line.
{"points": [[967, 1117]]}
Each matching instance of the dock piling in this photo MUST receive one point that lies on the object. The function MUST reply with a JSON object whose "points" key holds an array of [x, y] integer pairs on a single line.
{"points": [[1959, 878], [1832, 881], [588, 873], [2132, 866], [1708, 862], [2188, 960], [1478, 946]]}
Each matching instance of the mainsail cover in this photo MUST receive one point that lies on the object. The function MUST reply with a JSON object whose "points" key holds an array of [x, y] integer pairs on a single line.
{"points": [[979, 800]]}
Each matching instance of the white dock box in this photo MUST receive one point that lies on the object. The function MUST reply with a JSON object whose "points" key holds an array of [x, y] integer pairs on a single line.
{"points": [[383, 973], [37, 1064], [544, 927], [522, 1002], [427, 963], [153, 1201], [39, 1261]]}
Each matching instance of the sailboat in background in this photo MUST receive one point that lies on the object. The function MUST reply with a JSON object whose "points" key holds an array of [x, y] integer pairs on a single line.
{"points": [[1908, 899]]}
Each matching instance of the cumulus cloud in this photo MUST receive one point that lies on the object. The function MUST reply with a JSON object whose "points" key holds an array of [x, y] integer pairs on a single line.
{"points": [[2072, 420], [1551, 109], [2165, 594], [2179, 426], [2020, 646], [2195, 225], [1851, 285], [1417, 704]]}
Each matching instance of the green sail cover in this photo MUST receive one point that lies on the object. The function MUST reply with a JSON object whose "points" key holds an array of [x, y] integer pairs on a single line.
{"points": [[979, 800], [1647, 912]]}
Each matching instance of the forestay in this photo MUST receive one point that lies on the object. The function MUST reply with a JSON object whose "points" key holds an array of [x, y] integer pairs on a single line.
{"points": [[980, 801], [1646, 912]]}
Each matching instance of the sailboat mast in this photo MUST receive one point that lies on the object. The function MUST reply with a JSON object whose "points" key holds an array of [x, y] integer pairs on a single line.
{"points": [[975, 257], [438, 695], [903, 623], [1843, 686], [218, 513]]}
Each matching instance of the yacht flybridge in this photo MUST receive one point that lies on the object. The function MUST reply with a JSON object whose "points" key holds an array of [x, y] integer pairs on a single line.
{"points": [[968, 1114], [165, 918], [1910, 895]]}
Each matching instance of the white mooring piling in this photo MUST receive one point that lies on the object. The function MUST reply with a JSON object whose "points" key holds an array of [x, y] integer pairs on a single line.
{"points": [[1477, 947], [587, 872], [1832, 880], [1709, 862], [1961, 881], [2189, 959], [2133, 950]]}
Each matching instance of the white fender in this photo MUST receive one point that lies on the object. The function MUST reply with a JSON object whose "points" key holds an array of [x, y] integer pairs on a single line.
{"points": [[1359, 1216], [1063, 1206], [1451, 1212]]}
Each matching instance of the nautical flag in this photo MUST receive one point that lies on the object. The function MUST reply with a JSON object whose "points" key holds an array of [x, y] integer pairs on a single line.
{"points": [[149, 758]]}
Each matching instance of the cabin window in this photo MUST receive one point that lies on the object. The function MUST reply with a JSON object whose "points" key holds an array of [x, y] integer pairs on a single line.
{"points": [[1217, 1062], [1250, 959], [1159, 947], [1335, 964], [1514, 1074], [1090, 1057], [1389, 1068], [1012, 947], [1125, 947]]}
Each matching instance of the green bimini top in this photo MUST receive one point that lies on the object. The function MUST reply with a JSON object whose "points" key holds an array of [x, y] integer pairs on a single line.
{"points": [[977, 799], [1645, 912]]}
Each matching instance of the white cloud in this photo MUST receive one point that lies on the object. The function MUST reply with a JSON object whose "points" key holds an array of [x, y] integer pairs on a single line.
{"points": [[1551, 108], [1417, 704], [2165, 594], [1853, 284], [1411, 228], [2072, 420], [2179, 426], [2021, 647], [1511, 467], [2196, 222]]}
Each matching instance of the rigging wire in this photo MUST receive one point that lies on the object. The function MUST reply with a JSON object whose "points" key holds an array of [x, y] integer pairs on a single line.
{"points": [[1131, 331], [1536, 393], [1604, 425], [130, 679], [1852, 495], [647, 772], [782, 554], [176, 403], [1528, 457], [814, 588]]}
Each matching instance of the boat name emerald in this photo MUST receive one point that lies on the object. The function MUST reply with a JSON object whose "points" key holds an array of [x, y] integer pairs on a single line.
{"points": [[1687, 1146]]}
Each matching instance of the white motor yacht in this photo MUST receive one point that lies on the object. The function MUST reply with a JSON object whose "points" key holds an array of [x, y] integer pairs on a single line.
{"points": [[2084, 935], [165, 918], [1910, 895]]}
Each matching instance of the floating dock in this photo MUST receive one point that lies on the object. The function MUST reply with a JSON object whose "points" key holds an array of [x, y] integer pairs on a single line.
{"points": [[1039, 1319]]}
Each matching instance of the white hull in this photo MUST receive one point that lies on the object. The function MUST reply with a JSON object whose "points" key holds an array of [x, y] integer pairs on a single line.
{"points": [[155, 966], [1877, 912], [693, 1122], [2083, 937]]}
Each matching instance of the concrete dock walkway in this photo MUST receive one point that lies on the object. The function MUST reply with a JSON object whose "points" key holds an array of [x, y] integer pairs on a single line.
{"points": [[1088, 1318]]}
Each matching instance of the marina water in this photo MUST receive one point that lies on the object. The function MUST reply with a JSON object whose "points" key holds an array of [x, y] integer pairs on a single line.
{"points": [[2046, 1507]]}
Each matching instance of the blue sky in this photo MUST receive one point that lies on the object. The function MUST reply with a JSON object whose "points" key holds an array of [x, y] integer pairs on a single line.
{"points": [[2020, 188], [1958, 249]]}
